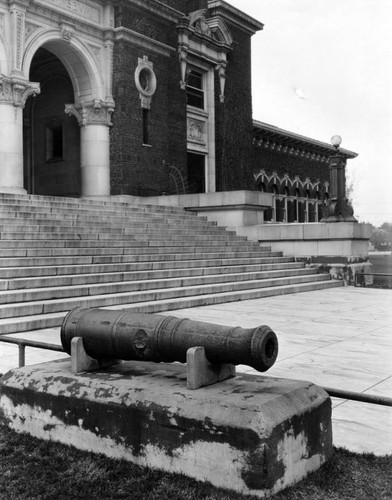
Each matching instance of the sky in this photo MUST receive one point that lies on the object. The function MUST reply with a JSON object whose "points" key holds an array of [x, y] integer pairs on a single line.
{"points": [[324, 67]]}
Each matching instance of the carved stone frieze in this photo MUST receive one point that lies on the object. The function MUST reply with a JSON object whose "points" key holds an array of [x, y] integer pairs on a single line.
{"points": [[14, 91], [75, 8], [96, 112]]}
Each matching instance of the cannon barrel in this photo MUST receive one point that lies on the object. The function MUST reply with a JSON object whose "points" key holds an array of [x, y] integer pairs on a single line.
{"points": [[126, 335]]}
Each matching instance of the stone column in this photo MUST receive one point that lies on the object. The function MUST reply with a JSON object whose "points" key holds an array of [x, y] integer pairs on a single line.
{"points": [[13, 95], [338, 208], [94, 120]]}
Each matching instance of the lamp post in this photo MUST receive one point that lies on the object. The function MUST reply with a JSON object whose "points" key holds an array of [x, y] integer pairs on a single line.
{"points": [[338, 208]]}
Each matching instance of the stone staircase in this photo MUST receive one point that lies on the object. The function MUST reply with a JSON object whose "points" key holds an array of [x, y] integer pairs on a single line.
{"points": [[59, 253]]}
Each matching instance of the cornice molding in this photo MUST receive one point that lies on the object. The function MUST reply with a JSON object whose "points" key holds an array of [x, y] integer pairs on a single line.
{"points": [[275, 138], [234, 16], [128, 35]]}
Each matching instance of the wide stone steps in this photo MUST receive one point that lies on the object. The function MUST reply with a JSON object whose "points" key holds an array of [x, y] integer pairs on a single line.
{"points": [[94, 289], [252, 271], [115, 259], [56, 254], [50, 320], [65, 303], [15, 272]]}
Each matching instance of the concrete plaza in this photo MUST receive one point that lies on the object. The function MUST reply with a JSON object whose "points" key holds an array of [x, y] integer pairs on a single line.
{"points": [[339, 338]]}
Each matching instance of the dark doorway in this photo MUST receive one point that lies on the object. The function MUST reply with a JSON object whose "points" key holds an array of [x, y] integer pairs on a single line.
{"points": [[51, 139], [196, 173]]}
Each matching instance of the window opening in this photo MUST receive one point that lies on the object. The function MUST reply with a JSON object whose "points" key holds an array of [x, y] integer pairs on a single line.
{"points": [[146, 128], [195, 90], [54, 143]]}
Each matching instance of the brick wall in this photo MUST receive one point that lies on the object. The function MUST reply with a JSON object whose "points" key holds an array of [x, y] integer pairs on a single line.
{"points": [[138, 169], [234, 151]]}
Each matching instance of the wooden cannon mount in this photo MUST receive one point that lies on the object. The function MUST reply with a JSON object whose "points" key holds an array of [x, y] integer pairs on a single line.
{"points": [[97, 338]]}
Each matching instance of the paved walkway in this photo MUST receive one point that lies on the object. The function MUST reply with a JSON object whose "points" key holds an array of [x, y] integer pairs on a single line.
{"points": [[338, 338]]}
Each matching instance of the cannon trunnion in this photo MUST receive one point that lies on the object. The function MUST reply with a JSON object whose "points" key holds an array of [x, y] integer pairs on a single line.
{"points": [[127, 335]]}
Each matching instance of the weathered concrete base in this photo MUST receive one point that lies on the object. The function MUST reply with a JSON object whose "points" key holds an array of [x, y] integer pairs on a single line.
{"points": [[251, 434]]}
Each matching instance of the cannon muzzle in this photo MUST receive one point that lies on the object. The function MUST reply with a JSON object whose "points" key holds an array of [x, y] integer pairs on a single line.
{"points": [[126, 335]]}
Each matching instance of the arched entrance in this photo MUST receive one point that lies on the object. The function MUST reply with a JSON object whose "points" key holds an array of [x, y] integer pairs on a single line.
{"points": [[51, 138], [59, 143]]}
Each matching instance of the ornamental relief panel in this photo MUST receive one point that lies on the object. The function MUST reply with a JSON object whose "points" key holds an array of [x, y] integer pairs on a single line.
{"points": [[30, 28], [196, 131]]}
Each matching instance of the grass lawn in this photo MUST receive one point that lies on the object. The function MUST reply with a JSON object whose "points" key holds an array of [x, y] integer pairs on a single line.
{"points": [[35, 469]]}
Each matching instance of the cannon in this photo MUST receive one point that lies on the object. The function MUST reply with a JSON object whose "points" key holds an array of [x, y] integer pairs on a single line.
{"points": [[127, 335]]}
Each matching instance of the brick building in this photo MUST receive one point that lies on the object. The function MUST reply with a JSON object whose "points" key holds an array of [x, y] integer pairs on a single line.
{"points": [[142, 98]]}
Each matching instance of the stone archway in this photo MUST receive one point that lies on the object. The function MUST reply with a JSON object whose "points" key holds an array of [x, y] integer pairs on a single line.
{"points": [[80, 84], [79, 127], [51, 138]]}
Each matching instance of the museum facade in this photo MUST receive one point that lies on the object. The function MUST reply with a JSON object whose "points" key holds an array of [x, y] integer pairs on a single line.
{"points": [[143, 98]]}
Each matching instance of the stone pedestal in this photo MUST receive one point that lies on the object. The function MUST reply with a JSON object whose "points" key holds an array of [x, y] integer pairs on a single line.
{"points": [[251, 434]]}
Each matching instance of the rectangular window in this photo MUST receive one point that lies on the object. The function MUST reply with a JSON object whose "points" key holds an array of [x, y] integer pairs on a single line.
{"points": [[195, 89], [54, 143]]}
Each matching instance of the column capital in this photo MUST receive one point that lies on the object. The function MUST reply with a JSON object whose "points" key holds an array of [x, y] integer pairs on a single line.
{"points": [[15, 91], [95, 112]]}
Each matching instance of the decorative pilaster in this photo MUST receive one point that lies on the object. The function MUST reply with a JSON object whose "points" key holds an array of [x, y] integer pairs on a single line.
{"points": [[18, 15], [109, 46]]}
